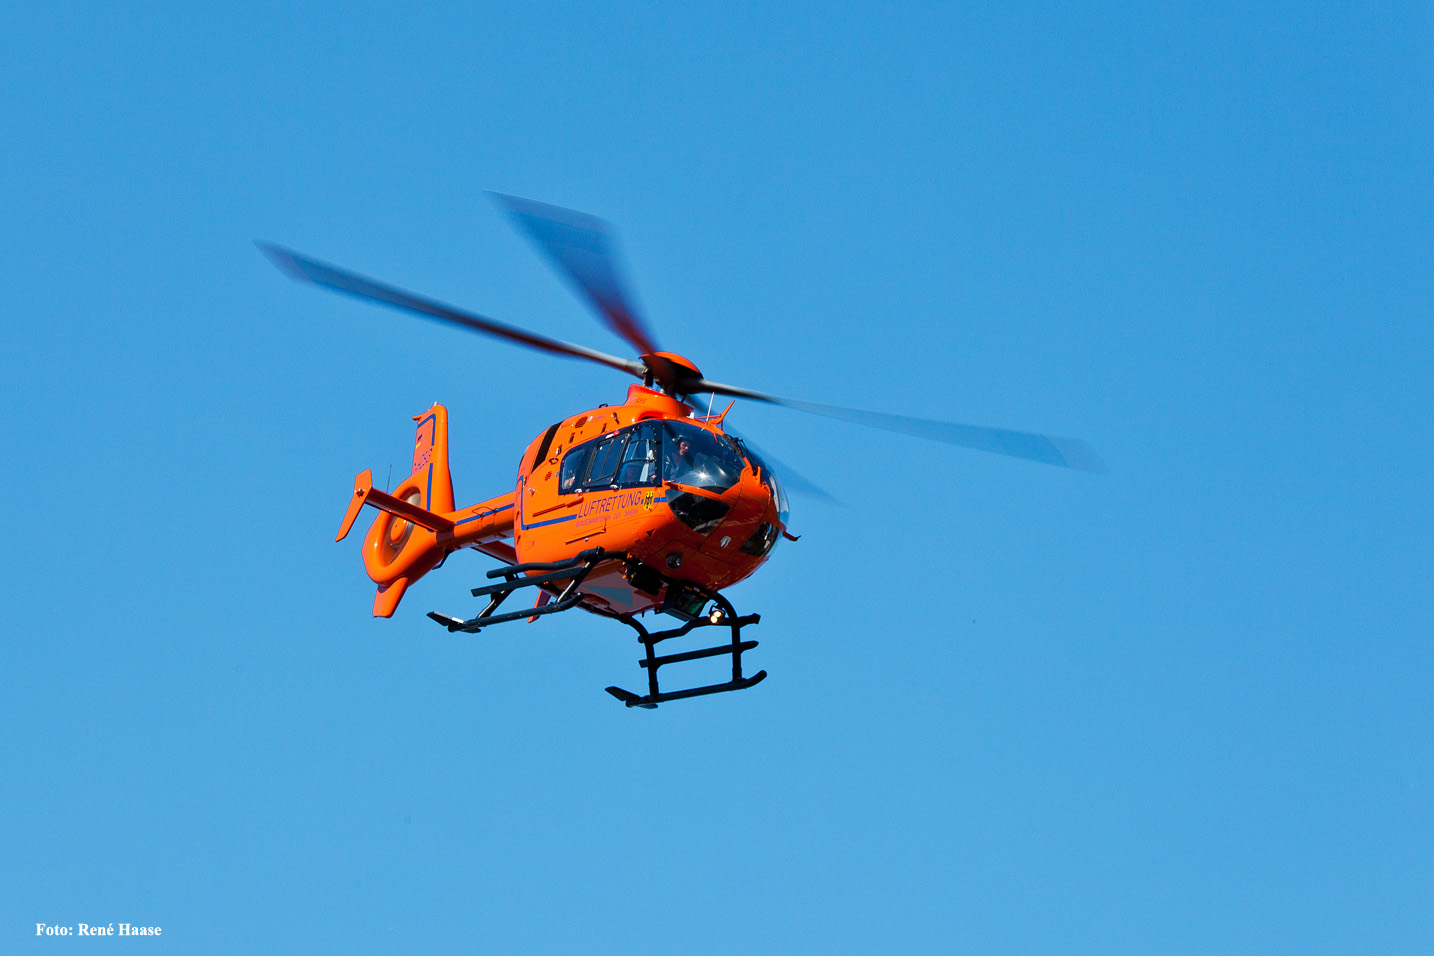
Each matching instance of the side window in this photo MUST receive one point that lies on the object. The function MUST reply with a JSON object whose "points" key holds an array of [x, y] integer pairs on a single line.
{"points": [[575, 465], [543, 447], [640, 461], [630, 458], [607, 454]]}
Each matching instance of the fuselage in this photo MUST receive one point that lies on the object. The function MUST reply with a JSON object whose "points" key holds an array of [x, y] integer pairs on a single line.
{"points": [[647, 479], [674, 499]]}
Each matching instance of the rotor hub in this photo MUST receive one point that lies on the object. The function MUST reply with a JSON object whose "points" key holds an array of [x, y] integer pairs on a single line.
{"points": [[670, 370]]}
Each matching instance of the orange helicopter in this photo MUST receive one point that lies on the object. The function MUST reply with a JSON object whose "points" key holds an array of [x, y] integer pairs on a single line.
{"points": [[618, 510]]}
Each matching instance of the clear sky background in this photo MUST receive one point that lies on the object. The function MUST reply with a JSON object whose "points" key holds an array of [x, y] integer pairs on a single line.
{"points": [[1182, 709]]}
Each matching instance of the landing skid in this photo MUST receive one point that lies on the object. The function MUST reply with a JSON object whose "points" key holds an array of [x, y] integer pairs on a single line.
{"points": [[572, 573], [723, 615]]}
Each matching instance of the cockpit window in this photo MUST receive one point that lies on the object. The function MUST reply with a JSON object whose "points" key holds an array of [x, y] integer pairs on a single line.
{"points": [[694, 456]]}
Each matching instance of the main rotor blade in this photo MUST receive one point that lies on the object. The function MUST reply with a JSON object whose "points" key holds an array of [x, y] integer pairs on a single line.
{"points": [[305, 269], [1046, 449], [579, 245]]}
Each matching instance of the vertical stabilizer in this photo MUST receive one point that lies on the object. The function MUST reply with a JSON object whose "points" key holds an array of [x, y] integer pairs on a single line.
{"points": [[385, 602], [401, 547], [430, 461]]}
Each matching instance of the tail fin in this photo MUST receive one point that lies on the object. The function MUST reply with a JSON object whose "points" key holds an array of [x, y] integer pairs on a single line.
{"points": [[430, 461], [400, 546]]}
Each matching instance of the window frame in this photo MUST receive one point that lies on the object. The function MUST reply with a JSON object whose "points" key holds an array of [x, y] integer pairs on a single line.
{"points": [[603, 445], [626, 436]]}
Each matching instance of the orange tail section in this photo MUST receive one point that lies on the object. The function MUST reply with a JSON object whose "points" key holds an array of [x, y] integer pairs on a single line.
{"points": [[418, 525], [430, 461], [402, 544]]}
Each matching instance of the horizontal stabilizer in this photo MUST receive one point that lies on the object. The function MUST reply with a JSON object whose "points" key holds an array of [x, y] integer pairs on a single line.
{"points": [[366, 493]]}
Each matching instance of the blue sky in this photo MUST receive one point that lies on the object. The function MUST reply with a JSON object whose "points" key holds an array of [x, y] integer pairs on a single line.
{"points": [[1181, 708]]}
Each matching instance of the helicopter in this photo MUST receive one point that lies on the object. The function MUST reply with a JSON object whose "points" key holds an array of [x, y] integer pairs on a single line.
{"points": [[619, 510]]}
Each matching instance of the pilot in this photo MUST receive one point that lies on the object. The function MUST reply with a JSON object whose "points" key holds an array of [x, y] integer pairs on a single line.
{"points": [[679, 460], [688, 466]]}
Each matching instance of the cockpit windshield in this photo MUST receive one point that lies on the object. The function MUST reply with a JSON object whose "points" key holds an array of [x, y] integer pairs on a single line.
{"points": [[694, 456]]}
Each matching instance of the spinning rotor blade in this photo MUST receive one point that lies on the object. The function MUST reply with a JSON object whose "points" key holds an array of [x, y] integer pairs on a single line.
{"points": [[304, 269], [578, 244], [1046, 449]]}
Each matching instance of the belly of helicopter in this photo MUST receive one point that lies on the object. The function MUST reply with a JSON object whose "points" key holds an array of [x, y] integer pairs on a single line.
{"points": [[635, 524]]}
